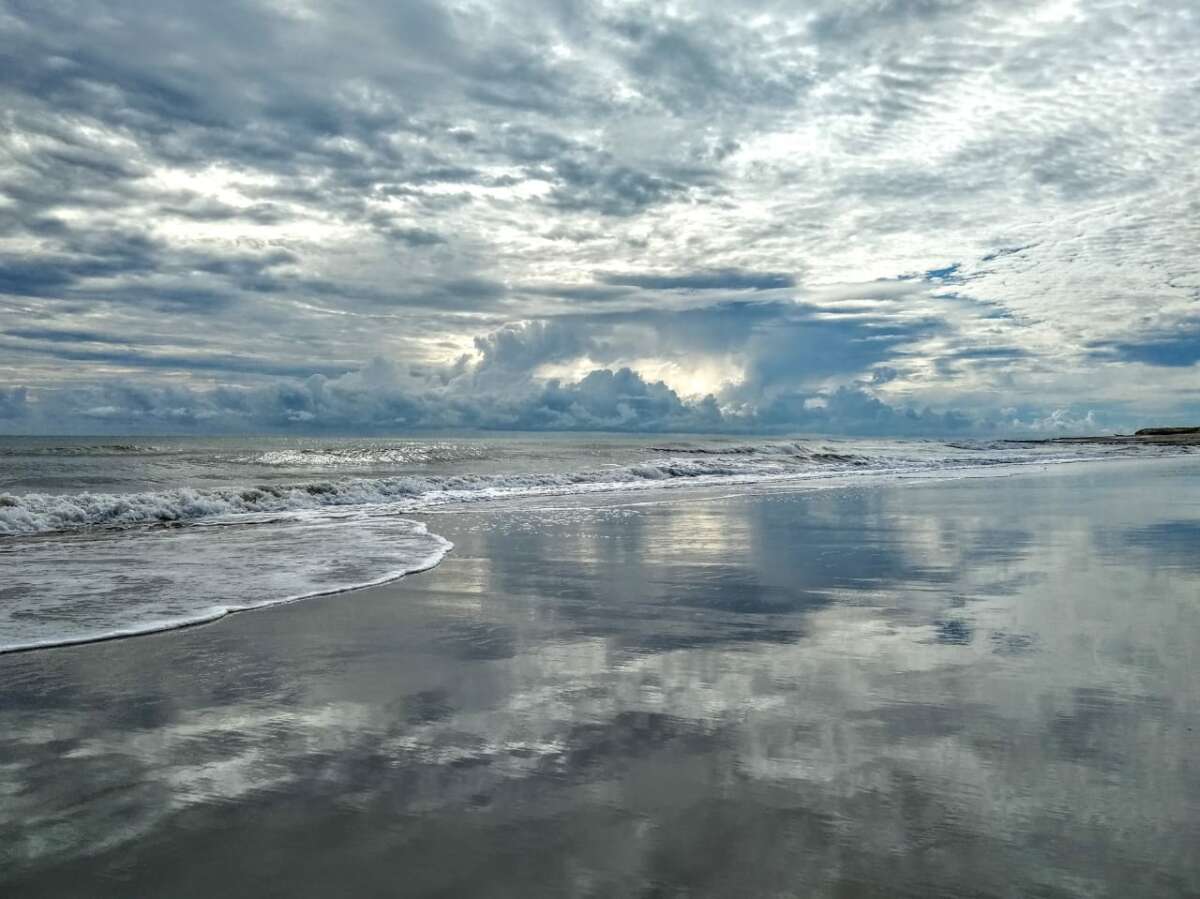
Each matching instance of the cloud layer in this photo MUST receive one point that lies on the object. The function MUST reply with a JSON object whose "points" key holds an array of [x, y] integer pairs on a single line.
{"points": [[862, 217]]}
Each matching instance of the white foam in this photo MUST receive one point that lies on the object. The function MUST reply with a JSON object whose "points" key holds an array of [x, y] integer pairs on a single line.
{"points": [[89, 586], [34, 513], [370, 455]]}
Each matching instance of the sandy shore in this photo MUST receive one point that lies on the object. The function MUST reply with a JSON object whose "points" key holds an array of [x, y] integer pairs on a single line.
{"points": [[984, 687]]}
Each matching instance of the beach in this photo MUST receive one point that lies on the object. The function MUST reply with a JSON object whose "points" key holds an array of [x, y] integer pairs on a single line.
{"points": [[600, 449], [983, 685]]}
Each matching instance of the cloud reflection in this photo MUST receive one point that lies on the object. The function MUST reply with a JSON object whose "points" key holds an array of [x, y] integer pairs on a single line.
{"points": [[868, 689]]}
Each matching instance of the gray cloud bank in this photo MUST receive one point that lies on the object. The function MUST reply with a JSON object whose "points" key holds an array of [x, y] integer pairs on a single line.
{"points": [[498, 390], [382, 398], [858, 217]]}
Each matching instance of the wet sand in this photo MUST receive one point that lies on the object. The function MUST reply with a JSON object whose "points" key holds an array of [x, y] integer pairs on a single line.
{"points": [[984, 687]]}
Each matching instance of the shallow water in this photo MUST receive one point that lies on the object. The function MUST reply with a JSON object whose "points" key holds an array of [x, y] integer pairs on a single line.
{"points": [[980, 687]]}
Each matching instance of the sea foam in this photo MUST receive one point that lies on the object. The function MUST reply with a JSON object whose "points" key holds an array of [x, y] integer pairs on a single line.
{"points": [[88, 586], [34, 513]]}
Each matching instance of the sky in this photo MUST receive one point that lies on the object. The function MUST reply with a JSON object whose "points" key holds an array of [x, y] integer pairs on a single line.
{"points": [[907, 217]]}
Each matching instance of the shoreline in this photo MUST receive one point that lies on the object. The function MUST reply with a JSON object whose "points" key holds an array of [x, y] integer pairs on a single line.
{"points": [[424, 566], [668, 494], [1143, 437]]}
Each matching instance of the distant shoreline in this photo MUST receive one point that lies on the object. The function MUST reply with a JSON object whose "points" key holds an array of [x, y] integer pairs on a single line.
{"points": [[1150, 436]]}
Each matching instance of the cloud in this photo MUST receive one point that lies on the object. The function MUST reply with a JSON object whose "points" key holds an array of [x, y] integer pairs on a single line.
{"points": [[13, 403], [850, 410], [1056, 423], [382, 398], [520, 348], [720, 279], [498, 388], [986, 201], [1176, 347]]}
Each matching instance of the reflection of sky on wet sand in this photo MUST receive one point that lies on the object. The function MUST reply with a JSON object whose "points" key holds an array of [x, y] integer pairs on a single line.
{"points": [[987, 687]]}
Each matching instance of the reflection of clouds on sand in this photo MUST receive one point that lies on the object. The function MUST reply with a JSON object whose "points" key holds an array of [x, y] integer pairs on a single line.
{"points": [[965, 683]]}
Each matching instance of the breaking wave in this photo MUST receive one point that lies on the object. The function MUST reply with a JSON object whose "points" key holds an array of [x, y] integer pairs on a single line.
{"points": [[36, 513], [784, 448], [82, 449], [414, 453]]}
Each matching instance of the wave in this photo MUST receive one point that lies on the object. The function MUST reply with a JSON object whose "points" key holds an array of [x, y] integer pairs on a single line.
{"points": [[44, 513], [788, 450], [36, 513], [350, 456], [776, 448], [80, 449]]}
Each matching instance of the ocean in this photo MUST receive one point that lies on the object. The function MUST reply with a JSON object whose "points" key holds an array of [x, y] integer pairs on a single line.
{"points": [[107, 537]]}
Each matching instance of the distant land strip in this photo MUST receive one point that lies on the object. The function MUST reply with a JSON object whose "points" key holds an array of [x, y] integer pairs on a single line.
{"points": [[1168, 436]]}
